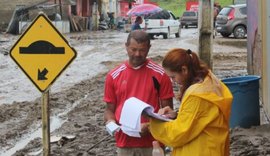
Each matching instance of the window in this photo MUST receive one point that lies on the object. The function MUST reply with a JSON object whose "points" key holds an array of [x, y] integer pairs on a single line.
{"points": [[243, 10], [189, 14], [225, 11]]}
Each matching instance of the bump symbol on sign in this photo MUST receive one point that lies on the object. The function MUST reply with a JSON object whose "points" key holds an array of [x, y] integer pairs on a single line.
{"points": [[42, 47]]}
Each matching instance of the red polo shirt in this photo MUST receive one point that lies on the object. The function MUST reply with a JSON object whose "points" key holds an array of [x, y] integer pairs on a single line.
{"points": [[124, 82]]}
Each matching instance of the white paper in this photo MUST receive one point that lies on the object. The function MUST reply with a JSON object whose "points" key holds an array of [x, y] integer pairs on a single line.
{"points": [[151, 113], [131, 132], [112, 127], [131, 113], [130, 118]]}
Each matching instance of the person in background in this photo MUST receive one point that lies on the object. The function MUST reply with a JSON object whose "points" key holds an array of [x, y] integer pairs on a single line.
{"points": [[137, 77], [216, 10], [136, 24], [201, 126], [58, 17], [111, 23]]}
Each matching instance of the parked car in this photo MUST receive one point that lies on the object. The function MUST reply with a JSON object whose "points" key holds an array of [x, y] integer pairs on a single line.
{"points": [[232, 19], [163, 23], [189, 18]]}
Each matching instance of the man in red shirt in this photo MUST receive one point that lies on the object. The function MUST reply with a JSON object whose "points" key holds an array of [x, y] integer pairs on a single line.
{"points": [[141, 78]]}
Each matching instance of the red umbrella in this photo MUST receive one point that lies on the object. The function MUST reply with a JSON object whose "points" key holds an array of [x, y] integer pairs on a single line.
{"points": [[143, 9]]}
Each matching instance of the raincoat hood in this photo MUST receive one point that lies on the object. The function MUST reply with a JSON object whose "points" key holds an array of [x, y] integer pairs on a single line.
{"points": [[214, 91]]}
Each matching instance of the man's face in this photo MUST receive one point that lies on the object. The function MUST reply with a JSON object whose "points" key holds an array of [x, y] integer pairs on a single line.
{"points": [[141, 21], [137, 52]]}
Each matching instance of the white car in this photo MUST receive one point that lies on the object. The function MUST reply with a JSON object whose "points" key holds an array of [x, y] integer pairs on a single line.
{"points": [[164, 24]]}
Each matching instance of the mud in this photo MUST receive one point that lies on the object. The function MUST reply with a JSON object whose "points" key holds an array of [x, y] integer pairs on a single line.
{"points": [[77, 108]]}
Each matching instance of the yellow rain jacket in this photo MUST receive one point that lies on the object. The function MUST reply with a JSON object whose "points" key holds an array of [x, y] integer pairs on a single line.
{"points": [[202, 125]]}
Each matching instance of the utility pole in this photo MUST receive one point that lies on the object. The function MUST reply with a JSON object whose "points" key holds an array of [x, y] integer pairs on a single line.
{"points": [[129, 7], [45, 123], [96, 15], [55, 8], [130, 4], [60, 8], [206, 31]]}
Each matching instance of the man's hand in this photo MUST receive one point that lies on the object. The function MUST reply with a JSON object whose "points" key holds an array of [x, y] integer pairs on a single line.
{"points": [[112, 127], [144, 129], [168, 112]]}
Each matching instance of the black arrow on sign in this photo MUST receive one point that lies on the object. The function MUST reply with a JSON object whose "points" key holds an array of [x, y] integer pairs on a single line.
{"points": [[41, 75]]}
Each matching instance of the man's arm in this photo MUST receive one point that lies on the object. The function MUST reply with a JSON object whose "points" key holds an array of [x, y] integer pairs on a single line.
{"points": [[110, 122], [109, 113], [164, 90]]}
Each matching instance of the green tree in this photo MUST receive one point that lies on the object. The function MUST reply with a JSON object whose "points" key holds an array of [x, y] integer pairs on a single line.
{"points": [[179, 6]]}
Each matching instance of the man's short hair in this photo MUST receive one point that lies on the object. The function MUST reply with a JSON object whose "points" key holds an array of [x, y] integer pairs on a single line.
{"points": [[139, 36]]}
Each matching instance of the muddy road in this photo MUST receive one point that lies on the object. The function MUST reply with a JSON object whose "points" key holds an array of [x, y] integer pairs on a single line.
{"points": [[76, 106]]}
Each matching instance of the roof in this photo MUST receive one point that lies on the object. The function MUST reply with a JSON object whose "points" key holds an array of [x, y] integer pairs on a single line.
{"points": [[237, 5]]}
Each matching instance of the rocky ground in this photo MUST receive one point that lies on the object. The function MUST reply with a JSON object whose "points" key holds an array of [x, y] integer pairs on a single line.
{"points": [[76, 105]]}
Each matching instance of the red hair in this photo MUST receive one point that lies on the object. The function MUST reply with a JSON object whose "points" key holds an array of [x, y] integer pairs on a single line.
{"points": [[175, 59]]}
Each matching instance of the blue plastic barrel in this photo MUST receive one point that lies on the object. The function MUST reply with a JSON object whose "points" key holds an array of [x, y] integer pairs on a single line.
{"points": [[245, 107]]}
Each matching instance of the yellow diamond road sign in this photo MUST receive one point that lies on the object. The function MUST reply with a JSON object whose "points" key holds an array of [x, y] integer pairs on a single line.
{"points": [[42, 53]]}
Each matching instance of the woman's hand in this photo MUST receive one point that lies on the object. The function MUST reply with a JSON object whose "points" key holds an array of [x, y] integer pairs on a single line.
{"points": [[168, 112]]}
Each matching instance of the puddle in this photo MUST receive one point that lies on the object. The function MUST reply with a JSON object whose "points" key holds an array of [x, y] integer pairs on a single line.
{"points": [[35, 153], [55, 123]]}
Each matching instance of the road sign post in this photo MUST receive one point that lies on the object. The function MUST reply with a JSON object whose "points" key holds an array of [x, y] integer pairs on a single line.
{"points": [[45, 123], [42, 53]]}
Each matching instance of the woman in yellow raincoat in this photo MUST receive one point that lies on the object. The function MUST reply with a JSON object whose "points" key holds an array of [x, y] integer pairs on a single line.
{"points": [[201, 127]]}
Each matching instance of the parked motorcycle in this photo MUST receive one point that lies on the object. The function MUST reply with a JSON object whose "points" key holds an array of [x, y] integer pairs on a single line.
{"points": [[103, 25]]}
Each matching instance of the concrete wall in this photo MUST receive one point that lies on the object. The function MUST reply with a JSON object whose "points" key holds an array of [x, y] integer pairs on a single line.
{"points": [[264, 25], [7, 7], [110, 6], [253, 38], [62, 26], [258, 46]]}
